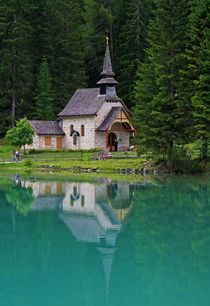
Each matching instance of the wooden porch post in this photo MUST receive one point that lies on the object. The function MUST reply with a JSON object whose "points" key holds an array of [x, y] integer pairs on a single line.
{"points": [[106, 139]]}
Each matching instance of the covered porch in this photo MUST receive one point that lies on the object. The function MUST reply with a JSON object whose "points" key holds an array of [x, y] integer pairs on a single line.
{"points": [[117, 129]]}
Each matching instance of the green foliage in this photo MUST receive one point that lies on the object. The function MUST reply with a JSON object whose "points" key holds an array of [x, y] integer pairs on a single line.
{"points": [[28, 163], [197, 73], [162, 115], [20, 135], [97, 18], [44, 94], [21, 197], [16, 65], [130, 26], [181, 163], [187, 166], [34, 151]]}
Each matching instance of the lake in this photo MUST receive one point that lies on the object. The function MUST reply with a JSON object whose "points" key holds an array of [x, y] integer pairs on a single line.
{"points": [[104, 242]]}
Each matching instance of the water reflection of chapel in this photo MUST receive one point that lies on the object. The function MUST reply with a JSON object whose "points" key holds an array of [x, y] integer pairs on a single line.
{"points": [[92, 212]]}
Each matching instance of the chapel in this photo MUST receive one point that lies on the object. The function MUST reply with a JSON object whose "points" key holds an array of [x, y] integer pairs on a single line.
{"points": [[93, 118]]}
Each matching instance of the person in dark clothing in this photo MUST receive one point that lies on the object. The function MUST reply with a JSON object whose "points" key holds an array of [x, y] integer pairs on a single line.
{"points": [[116, 145]]}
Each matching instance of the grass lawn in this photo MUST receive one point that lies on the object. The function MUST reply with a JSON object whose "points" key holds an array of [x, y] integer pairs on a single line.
{"points": [[106, 165], [5, 151]]}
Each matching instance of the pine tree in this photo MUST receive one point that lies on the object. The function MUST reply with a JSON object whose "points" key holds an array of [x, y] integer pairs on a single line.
{"points": [[97, 18], [64, 49], [131, 21], [163, 116], [44, 95], [198, 76], [16, 80]]}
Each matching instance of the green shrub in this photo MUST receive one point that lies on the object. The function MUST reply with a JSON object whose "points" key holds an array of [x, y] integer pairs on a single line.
{"points": [[186, 166], [28, 163], [34, 151], [183, 164]]}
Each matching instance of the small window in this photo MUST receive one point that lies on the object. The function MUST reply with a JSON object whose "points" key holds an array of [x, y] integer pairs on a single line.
{"points": [[74, 139], [103, 89], [82, 130], [47, 141], [74, 191], [71, 129], [82, 200], [71, 200]]}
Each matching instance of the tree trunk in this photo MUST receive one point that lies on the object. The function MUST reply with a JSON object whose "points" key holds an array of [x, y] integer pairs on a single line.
{"points": [[170, 154], [14, 96], [13, 107], [204, 153], [172, 72], [138, 21]]}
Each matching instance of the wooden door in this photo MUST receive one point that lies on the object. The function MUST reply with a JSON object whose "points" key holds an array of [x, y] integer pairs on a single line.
{"points": [[59, 142], [111, 141]]}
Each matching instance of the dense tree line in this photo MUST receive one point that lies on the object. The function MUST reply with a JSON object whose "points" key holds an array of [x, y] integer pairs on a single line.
{"points": [[172, 85], [160, 53]]}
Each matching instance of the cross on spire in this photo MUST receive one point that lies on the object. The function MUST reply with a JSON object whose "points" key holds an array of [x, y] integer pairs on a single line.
{"points": [[107, 37]]}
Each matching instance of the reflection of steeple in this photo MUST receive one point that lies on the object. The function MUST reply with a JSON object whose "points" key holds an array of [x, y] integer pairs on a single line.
{"points": [[93, 213], [107, 255]]}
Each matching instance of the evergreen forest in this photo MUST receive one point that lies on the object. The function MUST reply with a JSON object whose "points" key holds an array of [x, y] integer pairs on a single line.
{"points": [[160, 54]]}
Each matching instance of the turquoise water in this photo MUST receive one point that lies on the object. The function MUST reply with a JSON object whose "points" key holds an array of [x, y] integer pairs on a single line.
{"points": [[104, 242]]}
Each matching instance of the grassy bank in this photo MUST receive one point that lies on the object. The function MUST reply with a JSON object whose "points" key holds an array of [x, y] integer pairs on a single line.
{"points": [[72, 160], [106, 165]]}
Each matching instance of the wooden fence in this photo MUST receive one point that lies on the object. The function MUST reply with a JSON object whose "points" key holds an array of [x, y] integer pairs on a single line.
{"points": [[43, 157], [116, 155], [80, 156]]}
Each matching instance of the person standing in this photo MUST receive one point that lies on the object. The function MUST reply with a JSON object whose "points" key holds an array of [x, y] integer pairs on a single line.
{"points": [[17, 154], [116, 145]]}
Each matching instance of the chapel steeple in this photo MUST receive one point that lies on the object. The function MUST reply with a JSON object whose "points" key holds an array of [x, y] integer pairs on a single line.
{"points": [[107, 82]]}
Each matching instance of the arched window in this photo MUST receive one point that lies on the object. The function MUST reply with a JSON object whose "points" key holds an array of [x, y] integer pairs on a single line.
{"points": [[74, 139], [82, 200], [82, 130], [71, 128]]}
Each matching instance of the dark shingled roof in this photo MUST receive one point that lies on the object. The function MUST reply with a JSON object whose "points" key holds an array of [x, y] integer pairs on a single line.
{"points": [[107, 73], [109, 118], [107, 81], [46, 127], [83, 102], [107, 67]]}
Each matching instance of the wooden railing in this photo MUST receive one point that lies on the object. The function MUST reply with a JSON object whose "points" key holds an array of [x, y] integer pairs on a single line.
{"points": [[80, 156], [43, 157], [116, 155]]}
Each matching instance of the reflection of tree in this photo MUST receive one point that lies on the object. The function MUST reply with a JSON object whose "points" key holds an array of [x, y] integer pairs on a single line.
{"points": [[21, 197], [164, 248], [171, 238]]}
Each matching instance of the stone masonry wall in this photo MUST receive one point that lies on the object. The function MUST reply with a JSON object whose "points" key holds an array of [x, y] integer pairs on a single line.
{"points": [[39, 143], [100, 138], [83, 142], [122, 138]]}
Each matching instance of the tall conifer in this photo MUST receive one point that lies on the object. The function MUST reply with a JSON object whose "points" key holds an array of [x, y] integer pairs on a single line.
{"points": [[198, 72], [44, 95], [97, 18], [163, 115], [16, 81], [130, 25]]}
